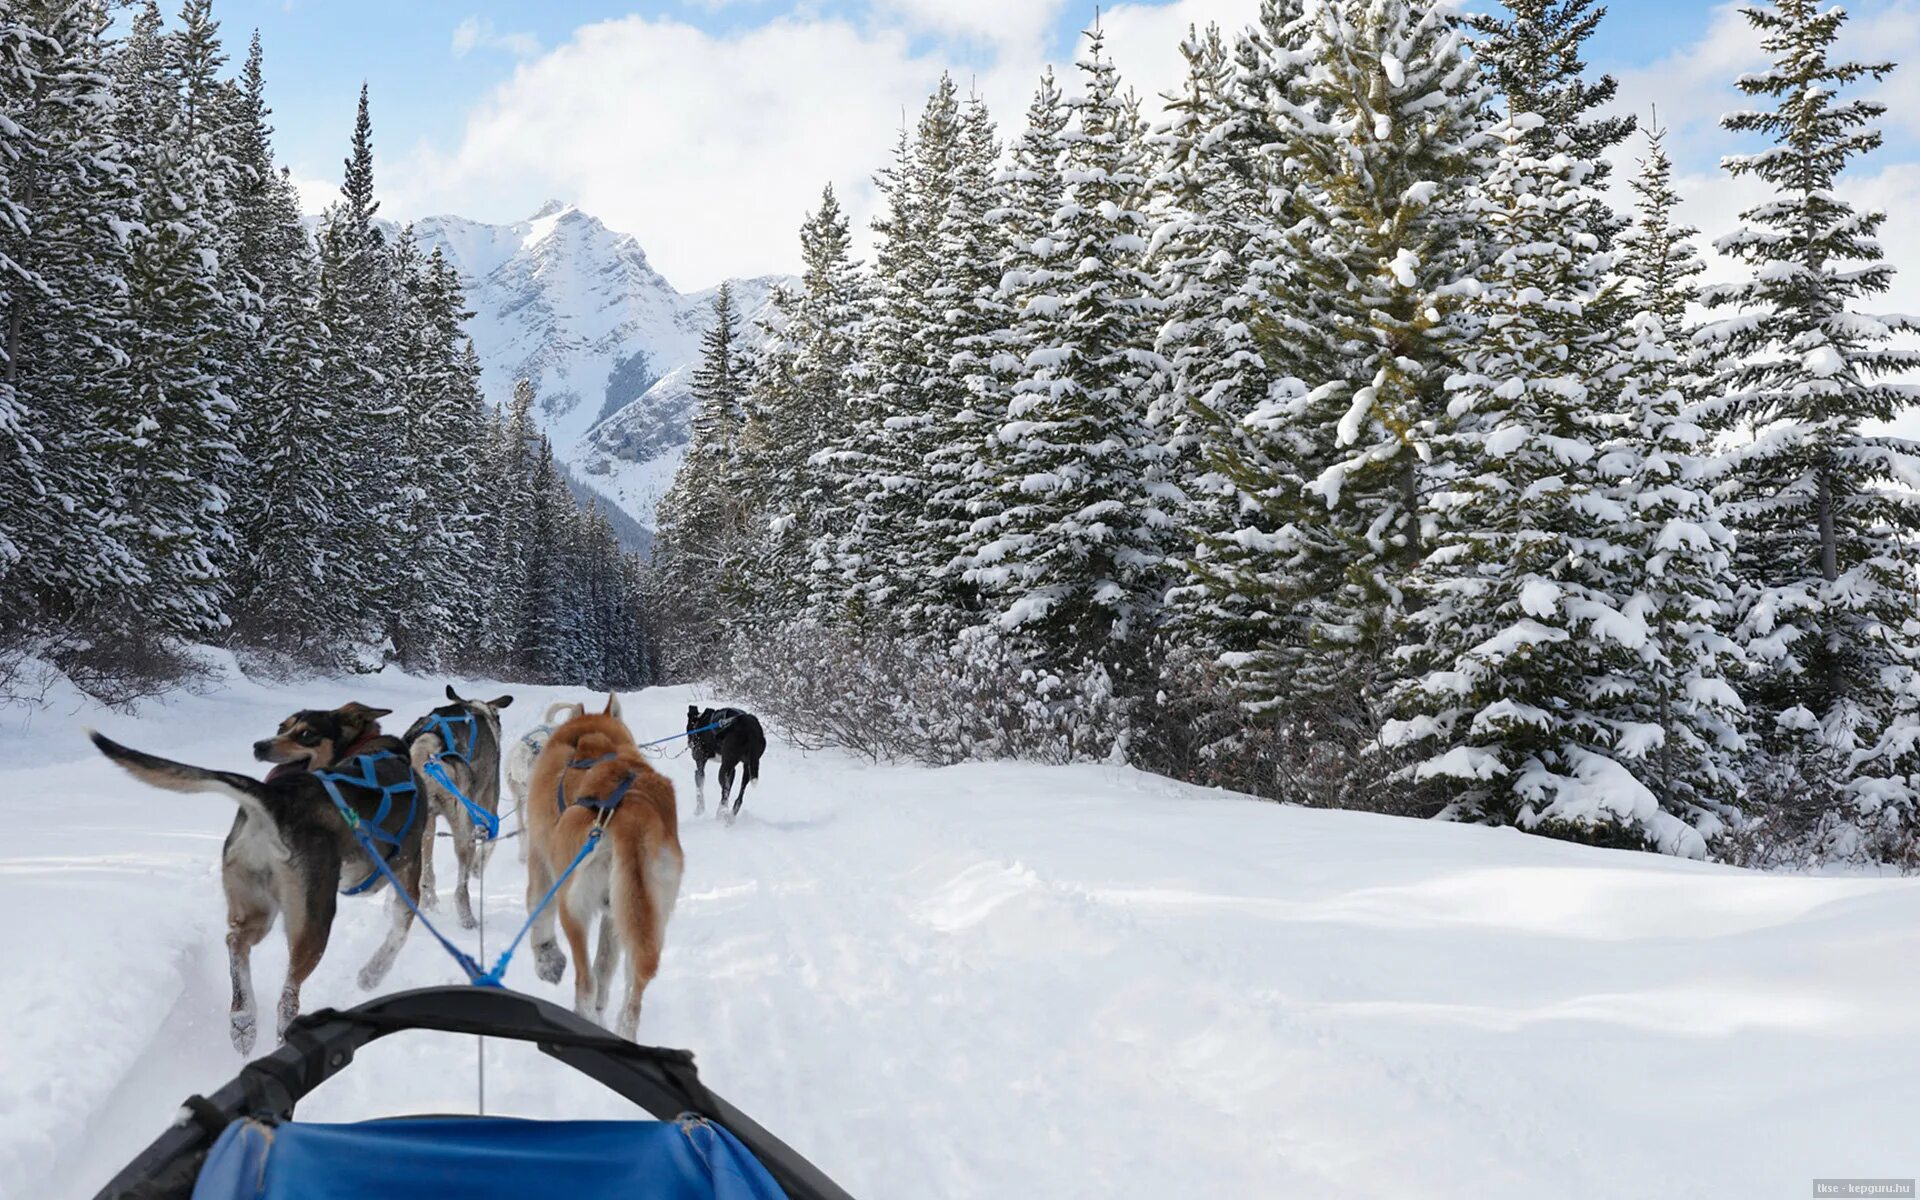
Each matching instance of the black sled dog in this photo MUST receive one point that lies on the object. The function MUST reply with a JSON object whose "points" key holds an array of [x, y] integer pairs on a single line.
{"points": [[290, 853], [736, 739]]}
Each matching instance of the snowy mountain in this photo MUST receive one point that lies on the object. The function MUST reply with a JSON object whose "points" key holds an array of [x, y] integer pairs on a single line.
{"points": [[576, 307]]}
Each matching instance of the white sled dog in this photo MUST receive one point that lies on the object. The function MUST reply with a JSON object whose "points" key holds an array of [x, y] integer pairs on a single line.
{"points": [[521, 756]]}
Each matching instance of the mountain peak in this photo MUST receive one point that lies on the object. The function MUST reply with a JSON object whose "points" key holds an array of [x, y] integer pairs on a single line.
{"points": [[549, 209]]}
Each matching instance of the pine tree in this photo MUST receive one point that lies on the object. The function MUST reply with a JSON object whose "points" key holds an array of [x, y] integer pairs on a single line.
{"points": [[1073, 553], [1213, 234], [1681, 706], [1824, 510], [1527, 636], [286, 593], [1656, 255], [1029, 189], [415, 615], [1533, 56], [357, 299], [968, 317], [910, 389], [701, 518], [802, 388], [67, 198], [169, 440], [1379, 119]]}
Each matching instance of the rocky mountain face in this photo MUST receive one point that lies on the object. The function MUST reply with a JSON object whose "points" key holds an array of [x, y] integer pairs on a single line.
{"points": [[609, 344]]}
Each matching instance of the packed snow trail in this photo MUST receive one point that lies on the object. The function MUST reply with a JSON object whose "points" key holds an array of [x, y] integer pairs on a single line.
{"points": [[1004, 980]]}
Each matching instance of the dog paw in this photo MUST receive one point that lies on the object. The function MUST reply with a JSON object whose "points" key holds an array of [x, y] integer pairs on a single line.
{"points": [[240, 1027], [373, 973], [549, 962], [467, 920], [429, 898]]}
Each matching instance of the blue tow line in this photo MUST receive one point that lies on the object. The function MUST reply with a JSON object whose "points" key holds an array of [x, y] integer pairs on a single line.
{"points": [[476, 975]]}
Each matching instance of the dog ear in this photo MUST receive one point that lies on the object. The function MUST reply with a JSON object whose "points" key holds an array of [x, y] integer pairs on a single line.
{"points": [[354, 710], [693, 712], [613, 705], [454, 696], [497, 701]]}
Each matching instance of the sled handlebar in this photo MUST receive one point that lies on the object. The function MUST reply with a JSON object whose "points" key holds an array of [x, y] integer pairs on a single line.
{"points": [[321, 1044]]}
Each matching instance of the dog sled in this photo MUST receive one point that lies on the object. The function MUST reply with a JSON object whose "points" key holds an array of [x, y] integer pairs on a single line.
{"points": [[243, 1143]]}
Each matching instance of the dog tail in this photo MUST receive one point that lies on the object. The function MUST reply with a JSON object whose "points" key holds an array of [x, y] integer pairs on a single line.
{"points": [[562, 711], [179, 777]]}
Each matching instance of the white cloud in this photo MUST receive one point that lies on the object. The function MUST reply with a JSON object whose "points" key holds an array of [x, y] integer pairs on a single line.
{"points": [[315, 194], [710, 148], [475, 33]]}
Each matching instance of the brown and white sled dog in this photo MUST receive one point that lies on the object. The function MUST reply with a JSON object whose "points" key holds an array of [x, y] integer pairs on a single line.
{"points": [[289, 852], [525, 749], [590, 774], [460, 740]]}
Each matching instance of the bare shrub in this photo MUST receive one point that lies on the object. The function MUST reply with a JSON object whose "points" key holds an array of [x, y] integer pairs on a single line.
{"points": [[1324, 755], [888, 696], [1797, 819]]}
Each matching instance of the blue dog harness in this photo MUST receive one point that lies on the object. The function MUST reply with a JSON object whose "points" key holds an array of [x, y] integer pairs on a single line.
{"points": [[442, 726], [374, 828]]}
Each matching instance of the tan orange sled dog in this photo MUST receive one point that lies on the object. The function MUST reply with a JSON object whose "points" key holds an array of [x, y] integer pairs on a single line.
{"points": [[590, 776]]}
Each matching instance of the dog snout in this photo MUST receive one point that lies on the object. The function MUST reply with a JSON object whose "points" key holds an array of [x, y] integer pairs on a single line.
{"points": [[263, 750]]}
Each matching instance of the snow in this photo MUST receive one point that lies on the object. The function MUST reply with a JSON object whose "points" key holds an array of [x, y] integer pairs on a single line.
{"points": [[1823, 362], [1004, 980]]}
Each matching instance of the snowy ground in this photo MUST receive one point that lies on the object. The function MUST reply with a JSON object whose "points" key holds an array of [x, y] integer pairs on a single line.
{"points": [[1016, 981]]}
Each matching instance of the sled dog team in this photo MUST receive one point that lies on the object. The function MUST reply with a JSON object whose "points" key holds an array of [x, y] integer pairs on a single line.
{"points": [[340, 787]]}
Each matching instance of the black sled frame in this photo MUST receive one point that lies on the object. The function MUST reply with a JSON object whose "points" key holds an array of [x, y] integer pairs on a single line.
{"points": [[321, 1044]]}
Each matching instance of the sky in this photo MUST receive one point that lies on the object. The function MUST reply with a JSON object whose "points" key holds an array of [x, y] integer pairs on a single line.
{"points": [[706, 128]]}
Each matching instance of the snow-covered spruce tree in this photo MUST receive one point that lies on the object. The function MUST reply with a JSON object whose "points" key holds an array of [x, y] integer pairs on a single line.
{"points": [[20, 468], [285, 590], [1532, 53], [1072, 559], [357, 296], [66, 201], [1656, 255], [1679, 709], [969, 315], [1213, 231], [909, 388], [508, 500], [1825, 511], [1379, 119], [702, 518], [1028, 189], [800, 394], [1523, 639], [429, 447], [841, 578], [170, 438]]}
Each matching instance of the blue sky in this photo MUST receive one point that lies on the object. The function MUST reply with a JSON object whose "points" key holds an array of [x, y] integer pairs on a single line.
{"points": [[318, 51], [706, 127]]}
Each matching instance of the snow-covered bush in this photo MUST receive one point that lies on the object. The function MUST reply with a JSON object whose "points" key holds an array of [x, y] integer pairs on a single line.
{"points": [[889, 695]]}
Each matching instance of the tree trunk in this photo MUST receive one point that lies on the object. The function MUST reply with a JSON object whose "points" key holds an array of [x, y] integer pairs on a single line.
{"points": [[1829, 551]]}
